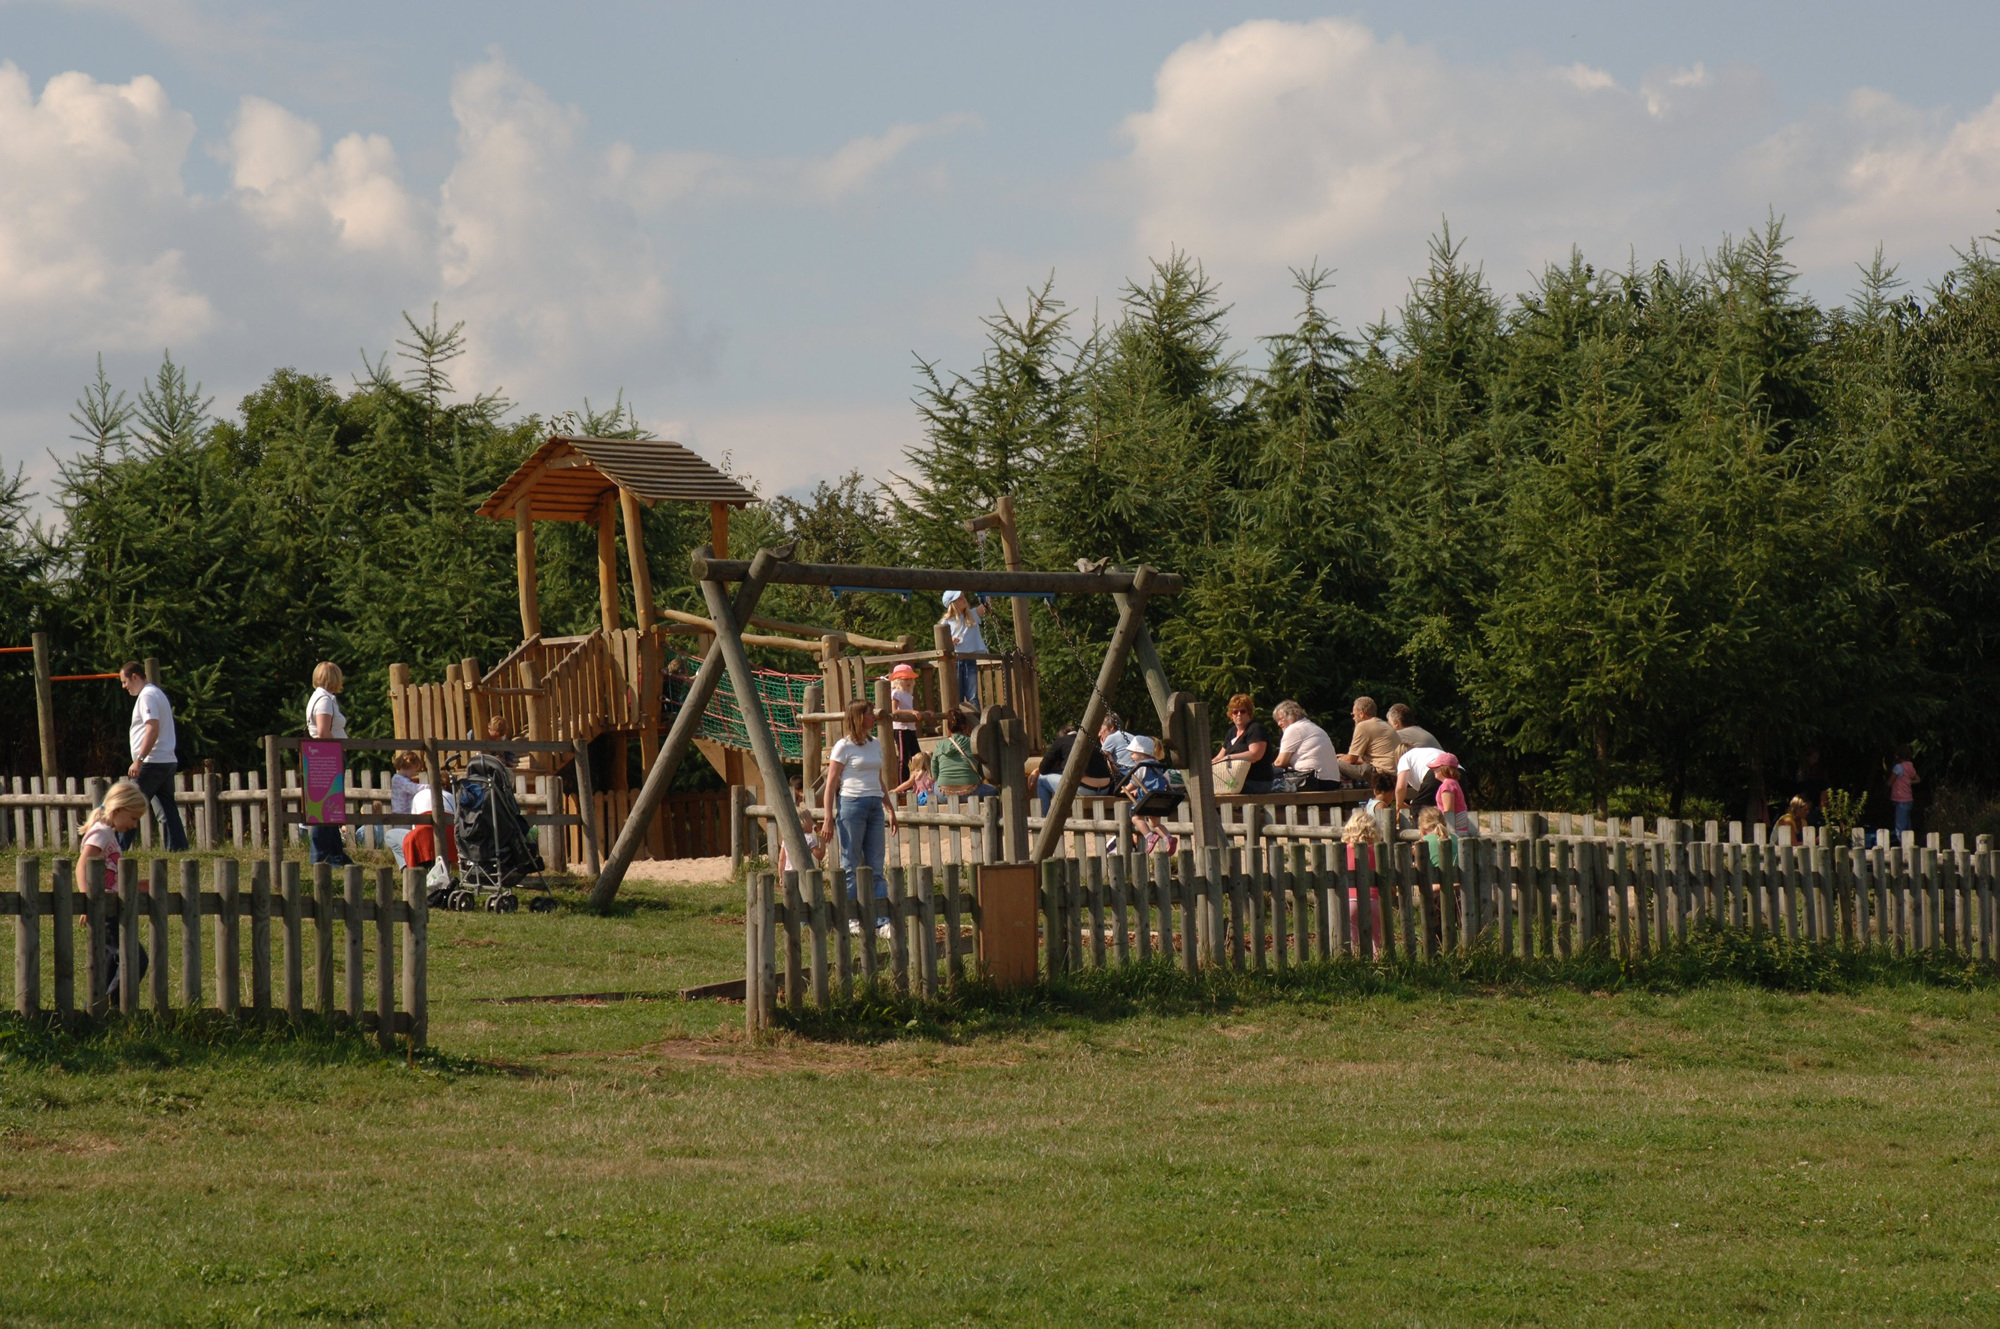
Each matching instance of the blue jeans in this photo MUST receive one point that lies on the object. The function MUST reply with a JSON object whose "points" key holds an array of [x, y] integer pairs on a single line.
{"points": [[324, 845], [968, 683], [1045, 790], [863, 826], [1902, 818]]}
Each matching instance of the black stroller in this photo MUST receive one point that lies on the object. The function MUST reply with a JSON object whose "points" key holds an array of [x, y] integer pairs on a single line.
{"points": [[494, 852]]}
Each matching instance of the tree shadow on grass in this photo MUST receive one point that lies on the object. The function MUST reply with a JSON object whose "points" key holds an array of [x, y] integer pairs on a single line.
{"points": [[1711, 956]]}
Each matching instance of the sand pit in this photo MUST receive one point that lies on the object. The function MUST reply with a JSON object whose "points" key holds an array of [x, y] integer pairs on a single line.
{"points": [[680, 871]]}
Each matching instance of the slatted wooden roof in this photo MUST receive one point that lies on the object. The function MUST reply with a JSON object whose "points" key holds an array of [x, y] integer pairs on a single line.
{"points": [[567, 478]]}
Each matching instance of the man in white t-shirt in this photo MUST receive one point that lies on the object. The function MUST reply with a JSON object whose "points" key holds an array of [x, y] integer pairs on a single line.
{"points": [[1412, 769], [1306, 747], [154, 759]]}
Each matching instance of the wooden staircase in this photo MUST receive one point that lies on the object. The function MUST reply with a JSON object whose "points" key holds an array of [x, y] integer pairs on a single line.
{"points": [[549, 689]]}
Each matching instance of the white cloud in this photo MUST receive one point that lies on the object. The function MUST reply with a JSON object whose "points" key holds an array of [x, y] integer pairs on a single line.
{"points": [[92, 216], [1274, 143], [354, 195]]}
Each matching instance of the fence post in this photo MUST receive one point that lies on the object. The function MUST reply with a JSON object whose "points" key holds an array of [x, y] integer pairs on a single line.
{"points": [[416, 957], [210, 830], [191, 934], [274, 806], [385, 969], [739, 825], [753, 951], [28, 938], [586, 807], [128, 935], [63, 936], [228, 965], [95, 998]]}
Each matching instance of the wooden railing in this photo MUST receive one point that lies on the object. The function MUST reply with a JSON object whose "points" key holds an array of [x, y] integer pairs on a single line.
{"points": [[119, 918], [1286, 891], [230, 810]]}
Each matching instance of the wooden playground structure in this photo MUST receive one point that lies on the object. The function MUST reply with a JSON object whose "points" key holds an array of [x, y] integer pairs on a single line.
{"points": [[622, 683]]}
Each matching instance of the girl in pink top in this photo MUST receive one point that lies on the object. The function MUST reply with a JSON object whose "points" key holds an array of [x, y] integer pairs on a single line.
{"points": [[123, 806], [1451, 801]]}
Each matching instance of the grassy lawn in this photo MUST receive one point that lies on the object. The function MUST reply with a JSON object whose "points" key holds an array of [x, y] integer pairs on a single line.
{"points": [[1730, 1155]]}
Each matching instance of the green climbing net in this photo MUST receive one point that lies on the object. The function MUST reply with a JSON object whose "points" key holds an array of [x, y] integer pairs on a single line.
{"points": [[783, 696]]}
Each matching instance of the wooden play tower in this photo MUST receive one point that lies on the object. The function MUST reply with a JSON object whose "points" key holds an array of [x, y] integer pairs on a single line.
{"points": [[624, 682]]}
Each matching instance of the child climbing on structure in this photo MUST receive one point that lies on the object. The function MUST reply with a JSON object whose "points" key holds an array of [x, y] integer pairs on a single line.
{"points": [[920, 782]]}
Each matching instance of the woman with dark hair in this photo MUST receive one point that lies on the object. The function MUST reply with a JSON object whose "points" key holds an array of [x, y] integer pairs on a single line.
{"points": [[1247, 741], [956, 766]]}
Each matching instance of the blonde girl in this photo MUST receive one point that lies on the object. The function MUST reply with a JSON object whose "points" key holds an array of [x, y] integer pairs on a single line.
{"points": [[920, 782], [124, 804], [961, 619], [324, 719], [1361, 835]]}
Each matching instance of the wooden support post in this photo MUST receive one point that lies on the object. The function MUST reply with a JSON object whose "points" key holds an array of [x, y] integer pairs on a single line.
{"points": [[434, 773], [45, 704], [811, 744], [274, 807], [739, 827], [763, 744], [524, 569], [947, 667], [681, 737], [607, 563], [416, 957], [586, 806], [475, 697], [635, 553], [211, 806], [885, 734], [153, 670], [718, 531], [28, 937], [1130, 620]]}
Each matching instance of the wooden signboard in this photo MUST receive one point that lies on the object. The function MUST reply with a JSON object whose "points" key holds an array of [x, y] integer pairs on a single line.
{"points": [[1007, 936]]}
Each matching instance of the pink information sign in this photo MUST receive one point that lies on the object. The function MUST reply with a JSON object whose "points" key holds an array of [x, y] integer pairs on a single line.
{"points": [[324, 775]]}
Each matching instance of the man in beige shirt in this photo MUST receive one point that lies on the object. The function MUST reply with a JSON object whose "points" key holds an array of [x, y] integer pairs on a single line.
{"points": [[1373, 747]]}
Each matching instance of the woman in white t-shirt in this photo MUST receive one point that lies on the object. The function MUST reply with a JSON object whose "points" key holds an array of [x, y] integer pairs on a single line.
{"points": [[325, 720], [856, 801], [961, 619]]}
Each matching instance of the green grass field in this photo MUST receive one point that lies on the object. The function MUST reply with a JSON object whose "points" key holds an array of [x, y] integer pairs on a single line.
{"points": [[1728, 1155]]}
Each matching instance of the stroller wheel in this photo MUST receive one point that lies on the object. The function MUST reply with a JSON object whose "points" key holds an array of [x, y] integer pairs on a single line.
{"points": [[460, 899], [542, 904], [506, 902]]}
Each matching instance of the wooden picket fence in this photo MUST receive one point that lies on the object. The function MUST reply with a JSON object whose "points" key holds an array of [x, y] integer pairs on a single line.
{"points": [[1287, 890], [138, 910]]}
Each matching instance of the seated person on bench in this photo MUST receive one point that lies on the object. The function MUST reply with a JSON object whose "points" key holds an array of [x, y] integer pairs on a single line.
{"points": [[1096, 771]]}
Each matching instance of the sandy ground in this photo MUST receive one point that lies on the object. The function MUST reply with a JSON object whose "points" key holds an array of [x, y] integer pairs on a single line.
{"points": [[680, 870]]}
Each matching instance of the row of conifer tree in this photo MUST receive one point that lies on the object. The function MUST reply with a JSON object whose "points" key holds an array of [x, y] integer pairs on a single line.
{"points": [[1638, 538]]}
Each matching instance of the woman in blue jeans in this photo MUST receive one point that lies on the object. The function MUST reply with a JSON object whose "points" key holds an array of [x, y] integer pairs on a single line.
{"points": [[857, 801]]}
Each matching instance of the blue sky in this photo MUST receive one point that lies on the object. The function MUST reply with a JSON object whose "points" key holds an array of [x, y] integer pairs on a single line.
{"points": [[753, 218]]}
